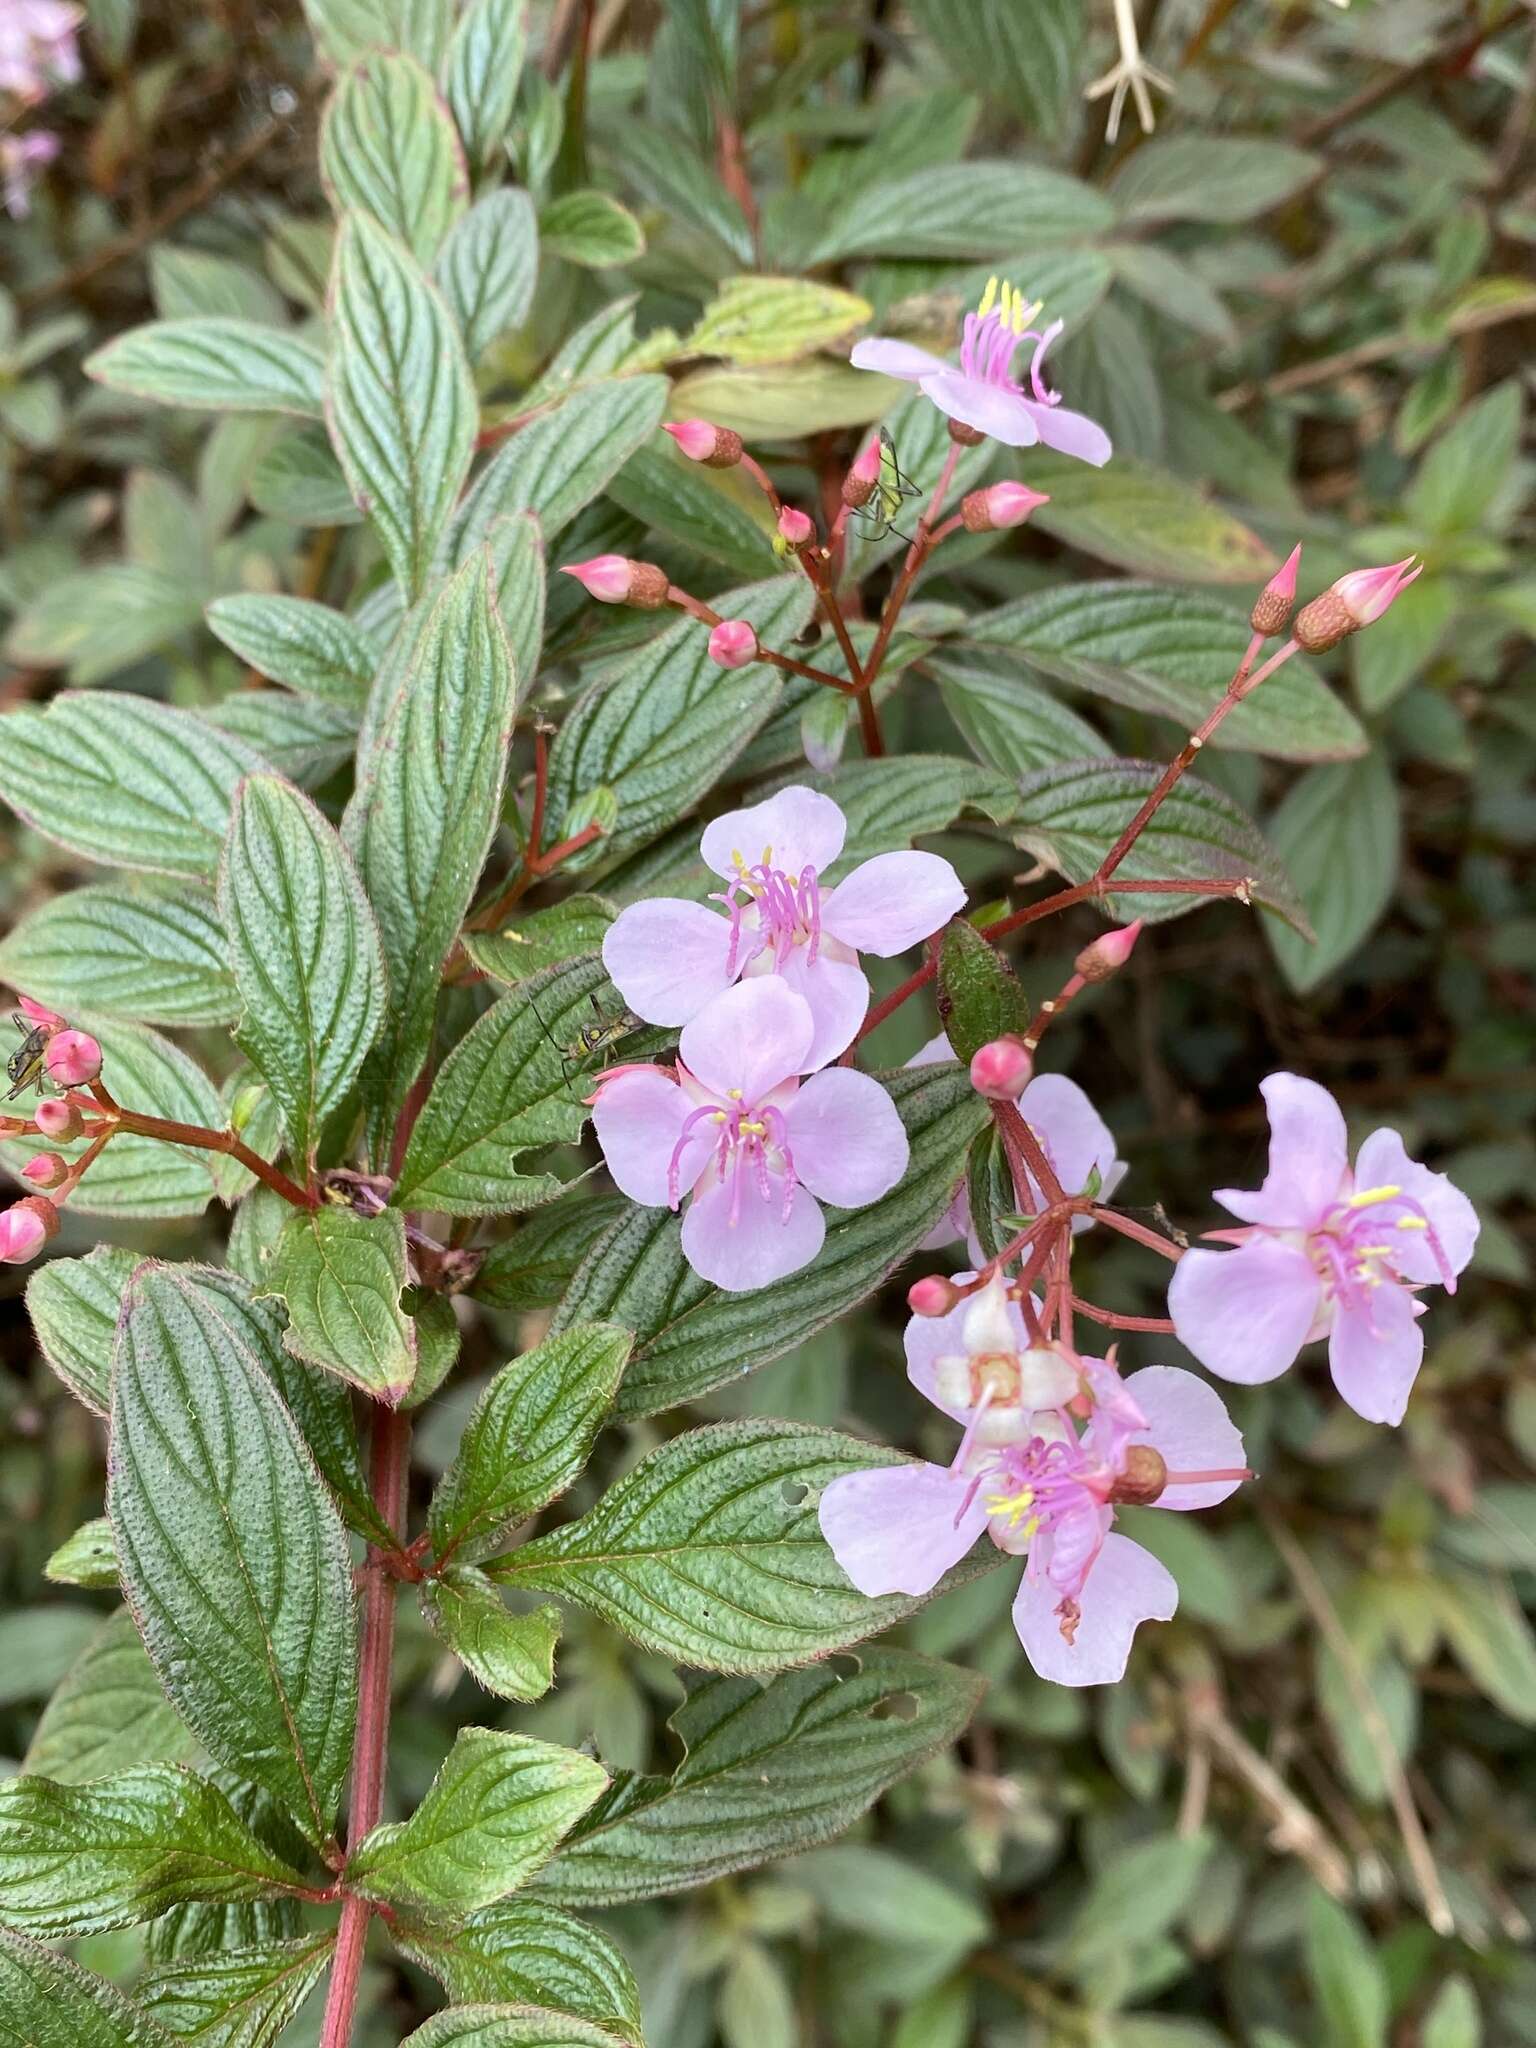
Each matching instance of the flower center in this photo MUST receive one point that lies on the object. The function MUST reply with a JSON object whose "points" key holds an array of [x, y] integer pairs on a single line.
{"points": [[992, 334], [1037, 1483], [749, 1143], [1356, 1245], [788, 911]]}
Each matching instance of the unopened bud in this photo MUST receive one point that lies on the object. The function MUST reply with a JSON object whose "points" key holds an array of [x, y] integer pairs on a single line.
{"points": [[795, 530], [733, 644], [72, 1058], [1143, 1478], [933, 1295], [615, 579], [702, 441], [966, 437], [859, 483], [25, 1228], [55, 1119], [1273, 605], [999, 506], [1108, 953], [44, 1170], [1001, 1069], [1355, 600]]}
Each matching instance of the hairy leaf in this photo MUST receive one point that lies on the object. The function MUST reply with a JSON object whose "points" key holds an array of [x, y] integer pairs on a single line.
{"points": [[47, 2002], [488, 266], [109, 1712], [523, 1952], [149, 952], [510, 1654], [305, 646], [241, 1998], [481, 72], [562, 460], [389, 149], [214, 365], [341, 1276]]}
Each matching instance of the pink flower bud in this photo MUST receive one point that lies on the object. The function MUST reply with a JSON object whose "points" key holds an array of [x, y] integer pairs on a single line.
{"points": [[859, 483], [615, 579], [702, 441], [44, 1170], [999, 506], [25, 1228], [1272, 606], [933, 1295], [55, 1119], [73, 1058], [733, 644], [1368, 592], [795, 528], [1001, 1069], [1108, 953], [49, 1020]]}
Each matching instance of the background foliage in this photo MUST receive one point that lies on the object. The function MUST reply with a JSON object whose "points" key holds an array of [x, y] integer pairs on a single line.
{"points": [[1304, 310]]}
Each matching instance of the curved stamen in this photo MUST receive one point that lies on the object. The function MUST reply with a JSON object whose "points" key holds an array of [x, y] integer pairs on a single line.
{"points": [[674, 1164], [1041, 395], [778, 1137]]}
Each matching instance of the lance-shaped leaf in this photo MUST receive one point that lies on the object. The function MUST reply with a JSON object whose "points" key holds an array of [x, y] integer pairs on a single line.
{"points": [[506, 1085], [47, 2002], [215, 364], [768, 1770], [233, 1557], [534, 1267], [293, 641], [691, 1337], [592, 229], [481, 71], [78, 1858], [400, 401], [488, 266], [347, 29], [529, 1437], [342, 1276], [124, 780], [149, 951], [522, 1952], [200, 1929], [979, 994], [73, 1304], [545, 939], [511, 1654], [507, 2026], [109, 1712], [496, 1810], [709, 1550], [305, 954], [240, 1998], [388, 149], [422, 818]]}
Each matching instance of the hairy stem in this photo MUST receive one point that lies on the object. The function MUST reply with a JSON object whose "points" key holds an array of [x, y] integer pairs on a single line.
{"points": [[204, 1140]]}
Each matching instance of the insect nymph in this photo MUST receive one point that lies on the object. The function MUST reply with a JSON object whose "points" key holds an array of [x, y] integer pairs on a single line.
{"points": [[24, 1068], [604, 1030], [878, 515]]}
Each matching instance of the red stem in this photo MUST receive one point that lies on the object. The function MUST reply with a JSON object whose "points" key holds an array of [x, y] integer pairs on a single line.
{"points": [[204, 1140], [922, 541], [1158, 1325]]}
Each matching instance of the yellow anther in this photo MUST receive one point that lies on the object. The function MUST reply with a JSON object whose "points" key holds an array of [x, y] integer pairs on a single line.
{"points": [[753, 1130], [1367, 1196], [718, 1116], [734, 1094], [737, 862], [988, 298], [767, 856], [1412, 1223], [1014, 1507]]}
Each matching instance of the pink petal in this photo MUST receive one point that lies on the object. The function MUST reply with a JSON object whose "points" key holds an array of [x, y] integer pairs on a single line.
{"points": [[1308, 1157], [835, 990], [1075, 1137], [933, 1052], [954, 1224], [1383, 1162], [798, 828], [986, 407], [899, 1529], [1374, 1357], [850, 1146], [1187, 1421], [752, 1037], [927, 1339], [895, 358], [667, 958], [1072, 433], [892, 901], [760, 1245], [638, 1119], [1245, 1314], [1126, 1587]]}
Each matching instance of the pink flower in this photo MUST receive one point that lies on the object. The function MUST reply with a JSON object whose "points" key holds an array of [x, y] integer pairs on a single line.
{"points": [[21, 158], [1038, 1487], [73, 1058], [756, 1150], [1272, 607], [702, 441], [863, 475], [616, 579], [25, 1228], [37, 47], [1367, 593], [1001, 1069], [1327, 1253], [1108, 953], [733, 644], [668, 957], [981, 393]]}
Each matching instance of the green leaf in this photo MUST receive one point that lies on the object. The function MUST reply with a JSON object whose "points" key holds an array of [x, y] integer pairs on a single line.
{"points": [[882, 1895], [665, 167], [1222, 178], [1347, 1978], [709, 510], [104, 619], [981, 208], [123, 780], [506, 2026], [305, 646], [979, 994], [544, 939], [233, 1558], [709, 1551], [88, 1558], [1006, 722], [510, 1654], [1137, 1896], [1466, 472], [672, 721], [75, 1859], [214, 365], [240, 1998], [481, 73], [388, 148], [341, 1276], [401, 402], [506, 1086], [1070, 816], [532, 1268], [300, 480], [149, 952], [1403, 642], [690, 1337], [1172, 652], [767, 1770], [46, 2002], [73, 1304], [1499, 1530], [562, 460], [1026, 59], [345, 29], [1338, 833], [1453, 2020], [495, 1811], [523, 1952], [528, 1439], [303, 739], [305, 954], [186, 283], [1490, 1638], [515, 544], [774, 319], [591, 229], [108, 1713], [1146, 521], [488, 266], [421, 820]]}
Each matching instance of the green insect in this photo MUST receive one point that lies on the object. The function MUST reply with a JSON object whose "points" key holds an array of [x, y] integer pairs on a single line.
{"points": [[25, 1067], [591, 1039], [892, 487]]}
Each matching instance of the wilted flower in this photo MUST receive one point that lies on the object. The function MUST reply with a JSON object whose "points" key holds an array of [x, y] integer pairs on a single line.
{"points": [[757, 1150], [981, 393], [668, 957], [1327, 1253]]}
